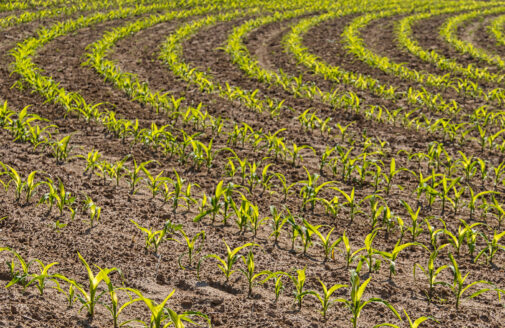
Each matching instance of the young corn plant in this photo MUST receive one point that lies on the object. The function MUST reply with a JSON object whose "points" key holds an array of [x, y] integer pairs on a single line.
{"points": [[458, 287], [5, 115], [447, 185], [93, 210], [431, 272], [115, 308], [69, 294], [61, 149], [389, 175], [277, 222], [306, 235], [92, 161], [457, 240], [154, 183], [41, 278], [285, 186], [355, 304], [332, 206], [27, 185], [249, 272], [215, 204], [472, 204], [64, 199], [343, 130], [18, 277], [393, 255], [154, 237], [418, 321], [434, 233], [295, 153], [226, 263], [134, 175], [160, 313], [492, 246], [88, 295], [310, 189], [117, 171], [412, 324], [191, 243], [328, 246], [349, 255], [371, 262], [352, 203], [498, 211], [296, 229], [298, 281], [178, 192], [249, 213], [415, 229], [59, 197], [325, 296]]}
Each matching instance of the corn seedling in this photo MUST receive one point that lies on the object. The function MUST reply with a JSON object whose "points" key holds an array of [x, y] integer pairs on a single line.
{"points": [[277, 222], [92, 161], [249, 273], [58, 226], [296, 229], [463, 230], [69, 294], [154, 183], [355, 304], [63, 199], [325, 296], [285, 186], [154, 237], [88, 295], [412, 324], [349, 256], [499, 211], [27, 185], [492, 246], [161, 313], [372, 263], [389, 175], [415, 229], [215, 204], [328, 246], [299, 284], [117, 171], [22, 276], [134, 175], [392, 256], [295, 153], [94, 211], [434, 233], [458, 287], [310, 189], [431, 272], [61, 149], [472, 204], [115, 308], [226, 263], [352, 203], [40, 279], [190, 243]]}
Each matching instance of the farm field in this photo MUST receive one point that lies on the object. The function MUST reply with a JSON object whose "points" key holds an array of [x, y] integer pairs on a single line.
{"points": [[252, 163]]}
